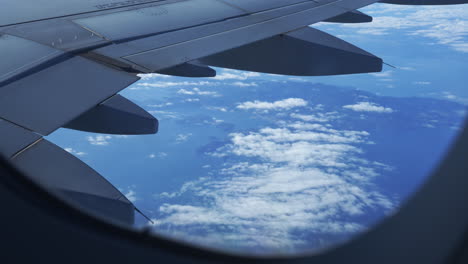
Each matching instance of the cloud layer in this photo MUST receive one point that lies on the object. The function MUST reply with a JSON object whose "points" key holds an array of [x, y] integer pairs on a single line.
{"points": [[280, 189]]}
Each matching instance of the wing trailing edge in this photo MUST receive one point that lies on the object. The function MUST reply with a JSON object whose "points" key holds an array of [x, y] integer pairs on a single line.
{"points": [[63, 173], [47, 99], [74, 180], [305, 52]]}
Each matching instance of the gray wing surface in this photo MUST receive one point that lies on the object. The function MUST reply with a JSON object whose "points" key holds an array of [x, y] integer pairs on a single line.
{"points": [[63, 64]]}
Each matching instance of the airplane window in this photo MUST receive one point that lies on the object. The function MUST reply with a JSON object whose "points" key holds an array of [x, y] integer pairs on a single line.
{"points": [[264, 164]]}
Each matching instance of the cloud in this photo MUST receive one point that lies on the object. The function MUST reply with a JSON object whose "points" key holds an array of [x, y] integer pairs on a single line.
{"points": [[244, 84], [382, 74], [166, 84], [213, 121], [280, 189], [191, 100], [99, 140], [447, 25], [368, 107], [131, 196], [161, 105], [75, 152], [165, 114], [158, 155], [197, 91], [236, 75], [104, 140], [217, 108], [183, 137], [285, 104], [318, 117], [422, 83], [149, 76], [449, 95]]}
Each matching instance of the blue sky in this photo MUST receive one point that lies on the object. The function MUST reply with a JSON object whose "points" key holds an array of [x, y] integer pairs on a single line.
{"points": [[269, 164]]}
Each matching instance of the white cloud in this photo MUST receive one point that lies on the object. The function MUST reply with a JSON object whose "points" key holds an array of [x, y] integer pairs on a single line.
{"points": [[158, 155], [149, 76], [382, 74], [164, 84], [104, 140], [191, 100], [183, 137], [161, 105], [285, 104], [303, 178], [217, 108], [318, 117], [131, 196], [213, 121], [236, 75], [244, 84], [447, 25], [422, 83], [368, 107], [99, 140], [197, 91], [449, 95], [165, 114], [75, 152]]}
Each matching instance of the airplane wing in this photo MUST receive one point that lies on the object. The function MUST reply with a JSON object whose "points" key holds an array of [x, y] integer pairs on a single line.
{"points": [[63, 64]]}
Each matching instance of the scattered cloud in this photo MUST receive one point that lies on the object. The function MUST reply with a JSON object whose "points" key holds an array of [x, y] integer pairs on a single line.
{"points": [[385, 74], [75, 152], [280, 182], [183, 137], [285, 104], [131, 196], [368, 107], [197, 91], [99, 140], [165, 114], [236, 75], [318, 117], [449, 95], [244, 84], [421, 83], [157, 155], [217, 108], [161, 105], [149, 76], [447, 25], [166, 84]]}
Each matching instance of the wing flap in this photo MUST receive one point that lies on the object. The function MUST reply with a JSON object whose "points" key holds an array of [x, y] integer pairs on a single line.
{"points": [[62, 172], [305, 52], [116, 115], [50, 98]]}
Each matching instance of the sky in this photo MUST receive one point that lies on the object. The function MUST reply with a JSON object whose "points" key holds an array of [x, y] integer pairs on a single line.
{"points": [[267, 164]]}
